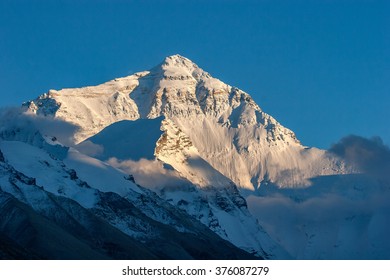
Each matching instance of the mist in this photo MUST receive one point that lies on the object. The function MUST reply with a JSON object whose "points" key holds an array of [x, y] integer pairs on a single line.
{"points": [[24, 125], [152, 174]]}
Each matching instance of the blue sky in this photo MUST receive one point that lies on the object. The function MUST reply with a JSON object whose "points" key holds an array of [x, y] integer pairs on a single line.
{"points": [[322, 68]]}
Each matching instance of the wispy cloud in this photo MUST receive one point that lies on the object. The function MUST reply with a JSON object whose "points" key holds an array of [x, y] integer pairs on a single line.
{"points": [[16, 120], [90, 149], [151, 173]]}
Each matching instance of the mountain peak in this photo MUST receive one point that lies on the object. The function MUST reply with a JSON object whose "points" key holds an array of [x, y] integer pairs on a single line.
{"points": [[177, 58], [176, 88], [177, 64]]}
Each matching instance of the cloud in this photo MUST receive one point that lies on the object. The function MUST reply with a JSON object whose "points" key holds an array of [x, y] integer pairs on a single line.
{"points": [[22, 124], [370, 156], [327, 227], [152, 174], [90, 149]]}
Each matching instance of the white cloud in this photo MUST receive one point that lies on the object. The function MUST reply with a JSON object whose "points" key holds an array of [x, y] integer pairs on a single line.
{"points": [[16, 120], [90, 149], [150, 173]]}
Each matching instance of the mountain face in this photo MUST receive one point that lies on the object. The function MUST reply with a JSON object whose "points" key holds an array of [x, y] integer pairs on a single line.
{"points": [[168, 163]]}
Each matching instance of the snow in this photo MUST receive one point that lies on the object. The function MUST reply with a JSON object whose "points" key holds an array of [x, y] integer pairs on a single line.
{"points": [[49, 173], [92, 108], [52, 176]]}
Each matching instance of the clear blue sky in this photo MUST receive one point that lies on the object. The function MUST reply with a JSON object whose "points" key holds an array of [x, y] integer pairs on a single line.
{"points": [[322, 68]]}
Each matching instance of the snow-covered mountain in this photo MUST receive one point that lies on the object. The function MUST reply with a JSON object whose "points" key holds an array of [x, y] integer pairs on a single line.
{"points": [[224, 124], [171, 155]]}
